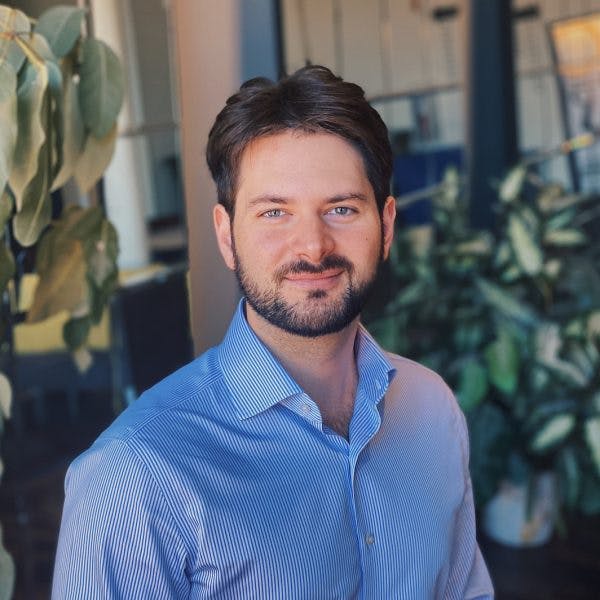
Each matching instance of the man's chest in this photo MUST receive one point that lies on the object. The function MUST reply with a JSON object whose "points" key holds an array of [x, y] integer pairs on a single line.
{"points": [[306, 520]]}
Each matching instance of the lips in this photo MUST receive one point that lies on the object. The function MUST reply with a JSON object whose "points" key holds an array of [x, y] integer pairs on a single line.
{"points": [[314, 276], [321, 281]]}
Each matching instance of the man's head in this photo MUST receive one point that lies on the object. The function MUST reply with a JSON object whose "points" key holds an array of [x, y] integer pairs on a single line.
{"points": [[312, 100], [304, 165]]}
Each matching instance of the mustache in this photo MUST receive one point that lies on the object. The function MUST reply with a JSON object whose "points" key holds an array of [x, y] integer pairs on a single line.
{"points": [[332, 261]]}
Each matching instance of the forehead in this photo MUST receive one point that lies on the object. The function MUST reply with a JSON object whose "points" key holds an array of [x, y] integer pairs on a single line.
{"points": [[294, 162]]}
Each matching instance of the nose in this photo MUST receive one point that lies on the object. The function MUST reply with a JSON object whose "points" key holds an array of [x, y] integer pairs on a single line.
{"points": [[312, 239]]}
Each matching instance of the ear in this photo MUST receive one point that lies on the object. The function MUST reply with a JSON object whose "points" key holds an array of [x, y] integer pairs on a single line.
{"points": [[222, 224], [388, 217]]}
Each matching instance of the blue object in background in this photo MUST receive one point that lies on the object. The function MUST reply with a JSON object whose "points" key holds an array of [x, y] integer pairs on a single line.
{"points": [[418, 170]]}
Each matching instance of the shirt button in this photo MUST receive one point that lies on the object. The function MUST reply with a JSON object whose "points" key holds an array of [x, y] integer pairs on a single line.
{"points": [[369, 539], [305, 408]]}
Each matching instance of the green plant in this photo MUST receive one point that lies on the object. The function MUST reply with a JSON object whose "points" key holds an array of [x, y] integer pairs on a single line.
{"points": [[511, 319], [60, 95]]}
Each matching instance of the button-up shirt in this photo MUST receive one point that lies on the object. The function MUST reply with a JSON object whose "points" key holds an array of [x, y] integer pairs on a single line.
{"points": [[223, 482]]}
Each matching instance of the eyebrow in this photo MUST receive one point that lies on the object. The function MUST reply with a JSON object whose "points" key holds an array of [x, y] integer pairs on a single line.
{"points": [[273, 199]]}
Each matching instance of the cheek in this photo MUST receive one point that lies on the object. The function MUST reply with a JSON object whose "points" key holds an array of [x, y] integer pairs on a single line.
{"points": [[258, 251]]}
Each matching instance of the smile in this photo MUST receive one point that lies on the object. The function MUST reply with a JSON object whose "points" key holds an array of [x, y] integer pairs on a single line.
{"points": [[324, 279]]}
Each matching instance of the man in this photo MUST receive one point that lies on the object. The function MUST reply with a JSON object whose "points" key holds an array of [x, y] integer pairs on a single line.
{"points": [[296, 459]]}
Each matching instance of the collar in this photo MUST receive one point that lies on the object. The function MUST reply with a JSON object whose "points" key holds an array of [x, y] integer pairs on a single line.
{"points": [[258, 381]]}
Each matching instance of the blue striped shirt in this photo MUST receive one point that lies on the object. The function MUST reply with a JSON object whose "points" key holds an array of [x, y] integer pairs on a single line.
{"points": [[222, 482]]}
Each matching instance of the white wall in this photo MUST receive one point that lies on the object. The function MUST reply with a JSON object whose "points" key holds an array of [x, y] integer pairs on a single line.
{"points": [[421, 52]]}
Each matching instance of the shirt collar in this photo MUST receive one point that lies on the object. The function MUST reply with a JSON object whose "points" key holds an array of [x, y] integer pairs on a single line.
{"points": [[258, 381]]}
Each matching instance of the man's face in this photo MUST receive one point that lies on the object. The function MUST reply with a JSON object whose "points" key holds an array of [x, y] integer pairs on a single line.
{"points": [[307, 238]]}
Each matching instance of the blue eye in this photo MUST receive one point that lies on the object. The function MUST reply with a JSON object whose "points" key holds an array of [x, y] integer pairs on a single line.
{"points": [[273, 213], [342, 211]]}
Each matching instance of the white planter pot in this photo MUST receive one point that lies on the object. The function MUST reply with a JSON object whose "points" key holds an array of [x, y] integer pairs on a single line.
{"points": [[504, 517]]}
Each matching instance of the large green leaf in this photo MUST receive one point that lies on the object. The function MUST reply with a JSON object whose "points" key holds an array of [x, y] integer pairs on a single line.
{"points": [[79, 223], [592, 437], [525, 247], [73, 132], [62, 284], [554, 431], [8, 120], [54, 101], [61, 26], [96, 156], [15, 22], [473, 384], [36, 205], [33, 82], [503, 361], [101, 87], [505, 303]]}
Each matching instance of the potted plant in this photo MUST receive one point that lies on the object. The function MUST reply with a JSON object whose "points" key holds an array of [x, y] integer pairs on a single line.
{"points": [[511, 319], [60, 93]]}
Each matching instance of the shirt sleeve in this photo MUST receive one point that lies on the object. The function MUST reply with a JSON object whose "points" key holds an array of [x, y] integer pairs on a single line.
{"points": [[118, 538], [468, 577]]}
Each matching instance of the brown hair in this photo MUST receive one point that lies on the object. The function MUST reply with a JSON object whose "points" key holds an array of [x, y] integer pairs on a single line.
{"points": [[312, 100]]}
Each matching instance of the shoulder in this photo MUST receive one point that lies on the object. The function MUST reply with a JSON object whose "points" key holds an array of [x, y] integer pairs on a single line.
{"points": [[420, 392], [411, 374], [190, 388]]}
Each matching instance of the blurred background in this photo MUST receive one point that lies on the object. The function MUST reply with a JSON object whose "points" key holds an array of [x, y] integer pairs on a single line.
{"points": [[477, 85]]}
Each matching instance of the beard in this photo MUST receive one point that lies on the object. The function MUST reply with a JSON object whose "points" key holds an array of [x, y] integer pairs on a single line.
{"points": [[317, 314]]}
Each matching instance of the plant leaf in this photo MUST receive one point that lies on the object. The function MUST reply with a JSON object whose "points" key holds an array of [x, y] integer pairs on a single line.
{"points": [[8, 120], [102, 256], [7, 267], [54, 102], [31, 92], [527, 251], [62, 284], [561, 219], [7, 572], [101, 87], [79, 223], [512, 184], [76, 331], [503, 361], [15, 21], [565, 237], [505, 303], [473, 385], [592, 437], [571, 476], [7, 205], [36, 208], [73, 133], [553, 432], [5, 396], [61, 26], [96, 156]]}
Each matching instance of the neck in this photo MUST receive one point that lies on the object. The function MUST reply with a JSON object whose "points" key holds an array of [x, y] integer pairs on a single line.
{"points": [[323, 366]]}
